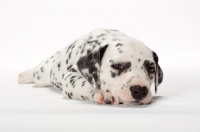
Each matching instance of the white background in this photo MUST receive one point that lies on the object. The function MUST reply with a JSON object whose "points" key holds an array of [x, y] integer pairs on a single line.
{"points": [[31, 30]]}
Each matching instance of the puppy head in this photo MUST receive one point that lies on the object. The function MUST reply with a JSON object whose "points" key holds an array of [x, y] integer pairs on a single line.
{"points": [[126, 69]]}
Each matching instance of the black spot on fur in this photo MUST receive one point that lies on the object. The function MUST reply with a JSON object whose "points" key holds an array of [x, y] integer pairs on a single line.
{"points": [[107, 31], [83, 83], [46, 62], [72, 70], [62, 76], [101, 35], [67, 61], [84, 97], [111, 61], [68, 76], [107, 90], [42, 69], [68, 48], [38, 77], [73, 77], [89, 62], [69, 96], [73, 46], [79, 77], [73, 83], [119, 44], [69, 67], [70, 55], [138, 60]]}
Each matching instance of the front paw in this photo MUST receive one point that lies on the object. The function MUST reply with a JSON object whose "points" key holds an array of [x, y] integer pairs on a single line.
{"points": [[102, 97]]}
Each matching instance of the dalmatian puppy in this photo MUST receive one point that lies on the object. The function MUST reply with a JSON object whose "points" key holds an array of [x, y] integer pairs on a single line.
{"points": [[104, 66]]}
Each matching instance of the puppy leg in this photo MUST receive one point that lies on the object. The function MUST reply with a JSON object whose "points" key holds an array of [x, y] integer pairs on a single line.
{"points": [[26, 77], [40, 75], [75, 86]]}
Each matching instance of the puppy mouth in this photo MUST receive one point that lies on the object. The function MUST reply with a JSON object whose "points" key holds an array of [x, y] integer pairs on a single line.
{"points": [[129, 102]]}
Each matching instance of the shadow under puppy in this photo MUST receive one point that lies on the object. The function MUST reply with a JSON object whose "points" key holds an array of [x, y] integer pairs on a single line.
{"points": [[104, 66]]}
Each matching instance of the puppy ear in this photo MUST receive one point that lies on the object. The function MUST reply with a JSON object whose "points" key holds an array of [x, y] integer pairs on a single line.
{"points": [[158, 73], [89, 65]]}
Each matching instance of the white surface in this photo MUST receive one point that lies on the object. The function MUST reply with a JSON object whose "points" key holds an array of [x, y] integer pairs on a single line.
{"points": [[31, 30], [25, 107]]}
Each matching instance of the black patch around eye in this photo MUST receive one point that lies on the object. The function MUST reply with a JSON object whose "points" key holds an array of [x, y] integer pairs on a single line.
{"points": [[113, 74], [126, 67], [150, 68]]}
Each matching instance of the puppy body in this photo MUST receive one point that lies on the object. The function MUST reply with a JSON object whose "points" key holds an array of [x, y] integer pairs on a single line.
{"points": [[84, 69]]}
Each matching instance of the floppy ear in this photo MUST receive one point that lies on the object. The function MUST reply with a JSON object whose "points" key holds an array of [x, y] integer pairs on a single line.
{"points": [[158, 73], [89, 65]]}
